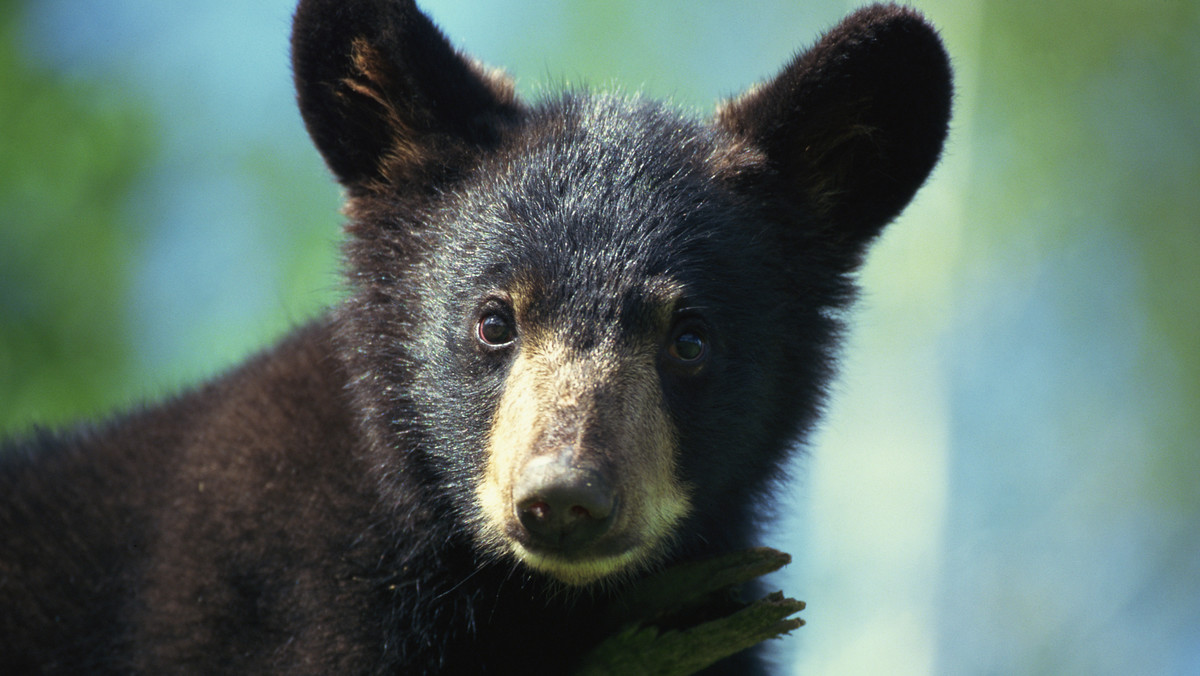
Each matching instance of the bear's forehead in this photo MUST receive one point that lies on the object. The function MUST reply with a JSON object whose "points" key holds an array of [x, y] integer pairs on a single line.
{"points": [[610, 150], [601, 186]]}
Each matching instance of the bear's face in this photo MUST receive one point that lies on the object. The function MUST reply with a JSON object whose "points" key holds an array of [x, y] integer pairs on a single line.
{"points": [[594, 322], [610, 300]]}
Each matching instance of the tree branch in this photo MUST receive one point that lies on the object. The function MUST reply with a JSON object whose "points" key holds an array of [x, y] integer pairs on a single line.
{"points": [[687, 617]]}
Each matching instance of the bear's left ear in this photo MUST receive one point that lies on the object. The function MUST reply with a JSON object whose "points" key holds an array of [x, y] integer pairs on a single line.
{"points": [[854, 125], [386, 98]]}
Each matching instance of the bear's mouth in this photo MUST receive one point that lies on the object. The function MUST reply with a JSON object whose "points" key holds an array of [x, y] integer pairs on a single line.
{"points": [[605, 559]]}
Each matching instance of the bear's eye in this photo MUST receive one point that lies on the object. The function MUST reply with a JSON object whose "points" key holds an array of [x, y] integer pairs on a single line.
{"points": [[688, 347], [494, 330]]}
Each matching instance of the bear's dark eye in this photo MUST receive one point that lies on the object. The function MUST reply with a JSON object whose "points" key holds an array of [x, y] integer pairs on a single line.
{"points": [[688, 347], [494, 330]]}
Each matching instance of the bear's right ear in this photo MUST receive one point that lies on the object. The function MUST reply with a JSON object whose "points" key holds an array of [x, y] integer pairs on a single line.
{"points": [[384, 95]]}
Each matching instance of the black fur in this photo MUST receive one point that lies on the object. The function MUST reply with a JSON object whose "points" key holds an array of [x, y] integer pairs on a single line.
{"points": [[314, 510]]}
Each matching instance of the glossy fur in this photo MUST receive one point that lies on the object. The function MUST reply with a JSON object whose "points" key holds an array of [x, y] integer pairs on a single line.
{"points": [[344, 502]]}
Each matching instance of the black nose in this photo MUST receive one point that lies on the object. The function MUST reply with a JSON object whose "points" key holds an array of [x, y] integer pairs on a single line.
{"points": [[561, 506]]}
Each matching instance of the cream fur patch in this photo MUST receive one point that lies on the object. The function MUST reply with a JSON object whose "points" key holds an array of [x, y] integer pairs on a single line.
{"points": [[610, 392]]}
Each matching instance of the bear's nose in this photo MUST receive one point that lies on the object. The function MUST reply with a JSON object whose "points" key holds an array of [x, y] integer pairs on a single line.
{"points": [[563, 507]]}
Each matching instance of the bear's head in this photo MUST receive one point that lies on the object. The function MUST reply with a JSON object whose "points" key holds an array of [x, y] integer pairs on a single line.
{"points": [[593, 325]]}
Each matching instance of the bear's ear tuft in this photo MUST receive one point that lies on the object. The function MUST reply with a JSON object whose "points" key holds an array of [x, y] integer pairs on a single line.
{"points": [[855, 124], [385, 96]]}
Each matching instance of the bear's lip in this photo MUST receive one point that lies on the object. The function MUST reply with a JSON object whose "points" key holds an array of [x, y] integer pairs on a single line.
{"points": [[585, 567], [613, 544]]}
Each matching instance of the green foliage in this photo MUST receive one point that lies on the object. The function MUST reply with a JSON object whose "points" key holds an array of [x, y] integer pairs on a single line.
{"points": [[70, 151], [1083, 225], [1090, 112]]}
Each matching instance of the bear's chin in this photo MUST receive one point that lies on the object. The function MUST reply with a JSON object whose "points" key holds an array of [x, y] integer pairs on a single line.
{"points": [[584, 571]]}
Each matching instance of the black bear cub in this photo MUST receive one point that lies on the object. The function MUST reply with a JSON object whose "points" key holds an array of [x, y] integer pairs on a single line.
{"points": [[580, 338]]}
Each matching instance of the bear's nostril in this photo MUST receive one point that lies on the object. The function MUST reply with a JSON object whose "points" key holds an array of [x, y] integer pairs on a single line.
{"points": [[563, 507], [539, 510]]}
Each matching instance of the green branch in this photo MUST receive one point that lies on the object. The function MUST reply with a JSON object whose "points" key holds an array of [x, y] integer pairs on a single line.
{"points": [[687, 617]]}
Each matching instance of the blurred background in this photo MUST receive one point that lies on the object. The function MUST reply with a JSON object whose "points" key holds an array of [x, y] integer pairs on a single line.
{"points": [[1009, 478]]}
